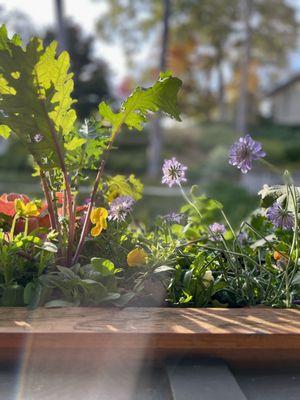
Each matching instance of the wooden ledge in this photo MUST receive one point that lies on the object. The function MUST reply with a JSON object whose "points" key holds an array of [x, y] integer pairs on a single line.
{"points": [[243, 335]]}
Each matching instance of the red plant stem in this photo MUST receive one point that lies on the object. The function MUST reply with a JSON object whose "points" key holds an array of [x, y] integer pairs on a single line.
{"points": [[64, 203], [46, 191], [71, 225], [86, 223], [52, 215]]}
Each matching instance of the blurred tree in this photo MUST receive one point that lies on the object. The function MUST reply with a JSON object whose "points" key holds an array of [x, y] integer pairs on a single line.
{"points": [[209, 40], [268, 32], [188, 19], [90, 74], [213, 24], [156, 133]]}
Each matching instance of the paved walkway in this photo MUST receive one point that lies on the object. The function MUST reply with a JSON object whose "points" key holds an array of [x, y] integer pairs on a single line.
{"points": [[196, 382]]}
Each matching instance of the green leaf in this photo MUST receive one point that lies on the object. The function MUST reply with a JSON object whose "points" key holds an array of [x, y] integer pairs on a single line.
{"points": [[32, 294], [12, 296], [4, 131], [35, 91], [59, 304], [111, 297], [162, 96], [296, 279], [67, 272], [48, 246], [103, 266], [163, 268], [52, 73], [279, 193], [120, 185], [74, 143]]}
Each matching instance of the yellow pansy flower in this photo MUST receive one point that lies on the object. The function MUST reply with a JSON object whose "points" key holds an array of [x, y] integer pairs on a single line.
{"points": [[99, 218], [26, 209], [136, 258]]}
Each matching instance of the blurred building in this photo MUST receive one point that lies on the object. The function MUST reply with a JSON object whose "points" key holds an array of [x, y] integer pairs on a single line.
{"points": [[283, 102]]}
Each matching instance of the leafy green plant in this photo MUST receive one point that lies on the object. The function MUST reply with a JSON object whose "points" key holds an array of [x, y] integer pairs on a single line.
{"points": [[91, 284], [23, 259], [36, 105], [64, 253]]}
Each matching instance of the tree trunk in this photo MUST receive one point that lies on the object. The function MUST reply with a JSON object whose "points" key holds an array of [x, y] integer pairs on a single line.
{"points": [[221, 93], [156, 133], [61, 29], [242, 107]]}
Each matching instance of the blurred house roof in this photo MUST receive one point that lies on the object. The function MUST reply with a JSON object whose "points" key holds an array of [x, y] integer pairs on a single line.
{"points": [[284, 85]]}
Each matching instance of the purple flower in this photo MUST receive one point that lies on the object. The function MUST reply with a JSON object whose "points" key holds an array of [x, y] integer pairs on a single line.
{"points": [[242, 238], [173, 218], [87, 200], [244, 152], [173, 172], [120, 207], [217, 230], [280, 218]]}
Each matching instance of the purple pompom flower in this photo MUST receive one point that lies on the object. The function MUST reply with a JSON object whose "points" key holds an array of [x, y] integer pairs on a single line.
{"points": [[173, 217], [280, 217], [244, 152], [217, 230], [120, 207], [173, 172]]}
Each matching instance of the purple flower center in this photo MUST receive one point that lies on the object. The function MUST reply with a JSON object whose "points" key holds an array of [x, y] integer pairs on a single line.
{"points": [[280, 217], [120, 208], [173, 172]]}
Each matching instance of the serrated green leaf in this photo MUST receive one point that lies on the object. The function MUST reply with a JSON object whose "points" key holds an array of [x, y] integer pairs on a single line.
{"points": [[35, 88], [108, 115], [74, 143], [162, 96]]}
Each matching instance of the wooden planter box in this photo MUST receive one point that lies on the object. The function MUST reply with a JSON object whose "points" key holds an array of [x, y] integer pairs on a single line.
{"points": [[178, 354], [241, 337]]}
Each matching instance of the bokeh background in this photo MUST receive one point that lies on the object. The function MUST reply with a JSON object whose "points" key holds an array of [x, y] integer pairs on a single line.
{"points": [[240, 65]]}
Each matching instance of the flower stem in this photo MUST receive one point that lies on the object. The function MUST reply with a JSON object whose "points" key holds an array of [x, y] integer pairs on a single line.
{"points": [[189, 201], [100, 172], [71, 225], [13, 225], [271, 166], [26, 226]]}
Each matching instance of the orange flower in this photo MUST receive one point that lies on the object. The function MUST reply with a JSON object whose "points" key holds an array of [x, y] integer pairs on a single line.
{"points": [[277, 256], [7, 203]]}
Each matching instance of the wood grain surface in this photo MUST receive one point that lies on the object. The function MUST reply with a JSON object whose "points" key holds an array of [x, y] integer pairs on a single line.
{"points": [[239, 336]]}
